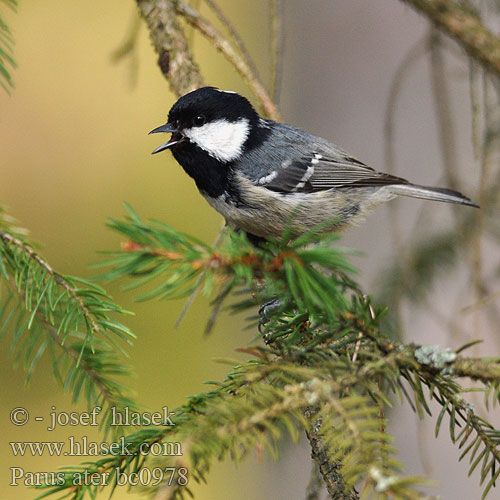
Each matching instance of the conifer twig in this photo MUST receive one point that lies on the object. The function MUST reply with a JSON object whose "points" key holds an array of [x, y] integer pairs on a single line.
{"points": [[8, 238], [75, 355], [197, 285], [69, 350], [6, 51], [486, 370], [50, 309]]}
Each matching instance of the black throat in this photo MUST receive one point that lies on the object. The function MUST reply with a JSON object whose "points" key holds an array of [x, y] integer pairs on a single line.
{"points": [[211, 176], [214, 177]]}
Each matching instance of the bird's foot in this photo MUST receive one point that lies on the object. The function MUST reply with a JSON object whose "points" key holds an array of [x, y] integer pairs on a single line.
{"points": [[267, 309]]}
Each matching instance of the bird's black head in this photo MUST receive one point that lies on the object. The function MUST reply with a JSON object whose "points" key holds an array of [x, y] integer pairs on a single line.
{"points": [[213, 104], [218, 122]]}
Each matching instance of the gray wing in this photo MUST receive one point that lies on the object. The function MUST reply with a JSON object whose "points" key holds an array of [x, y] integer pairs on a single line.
{"points": [[318, 173], [308, 164]]}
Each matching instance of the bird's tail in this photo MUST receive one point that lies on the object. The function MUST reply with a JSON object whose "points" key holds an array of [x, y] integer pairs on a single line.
{"points": [[432, 193]]}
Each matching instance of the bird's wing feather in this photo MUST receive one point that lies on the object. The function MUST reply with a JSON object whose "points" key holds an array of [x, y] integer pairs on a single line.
{"points": [[318, 172]]}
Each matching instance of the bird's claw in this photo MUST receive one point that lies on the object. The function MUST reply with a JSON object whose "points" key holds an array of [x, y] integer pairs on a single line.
{"points": [[267, 309]]}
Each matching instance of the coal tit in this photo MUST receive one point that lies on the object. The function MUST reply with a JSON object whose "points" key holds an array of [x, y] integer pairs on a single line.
{"points": [[264, 176]]}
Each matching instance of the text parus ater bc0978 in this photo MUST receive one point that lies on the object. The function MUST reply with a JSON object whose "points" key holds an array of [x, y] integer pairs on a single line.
{"points": [[264, 176]]}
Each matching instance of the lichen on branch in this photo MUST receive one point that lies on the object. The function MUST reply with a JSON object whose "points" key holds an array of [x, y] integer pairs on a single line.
{"points": [[174, 57]]}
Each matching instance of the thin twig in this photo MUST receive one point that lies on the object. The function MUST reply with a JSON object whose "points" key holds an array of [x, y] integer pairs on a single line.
{"points": [[130, 42], [475, 108], [315, 484], [357, 346], [490, 121], [128, 48], [446, 128], [213, 316], [462, 23], [192, 32], [225, 47], [277, 47], [481, 303], [413, 55], [235, 35], [383, 444]]}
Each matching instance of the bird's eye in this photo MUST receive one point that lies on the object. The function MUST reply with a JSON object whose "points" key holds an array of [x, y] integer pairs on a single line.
{"points": [[199, 120]]}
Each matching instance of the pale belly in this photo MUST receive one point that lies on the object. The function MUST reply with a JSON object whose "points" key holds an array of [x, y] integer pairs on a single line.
{"points": [[272, 213]]}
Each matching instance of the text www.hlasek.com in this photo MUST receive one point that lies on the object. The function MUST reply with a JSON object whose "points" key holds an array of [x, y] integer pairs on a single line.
{"points": [[83, 447]]}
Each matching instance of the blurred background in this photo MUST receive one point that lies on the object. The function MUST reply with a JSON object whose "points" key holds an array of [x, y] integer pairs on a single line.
{"points": [[74, 147]]}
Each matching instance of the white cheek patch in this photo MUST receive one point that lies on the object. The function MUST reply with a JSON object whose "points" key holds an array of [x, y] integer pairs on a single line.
{"points": [[221, 139]]}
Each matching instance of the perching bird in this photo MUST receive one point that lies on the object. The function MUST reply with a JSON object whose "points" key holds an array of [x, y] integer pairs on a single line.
{"points": [[264, 176]]}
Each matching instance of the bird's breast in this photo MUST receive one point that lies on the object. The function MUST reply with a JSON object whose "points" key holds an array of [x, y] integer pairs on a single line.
{"points": [[267, 213]]}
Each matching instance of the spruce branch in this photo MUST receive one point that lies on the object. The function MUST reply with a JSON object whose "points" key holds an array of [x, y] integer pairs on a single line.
{"points": [[8, 239], [256, 404], [292, 270], [344, 342], [261, 396], [433, 359], [89, 305], [6, 50], [462, 22], [325, 366], [66, 316], [108, 391]]}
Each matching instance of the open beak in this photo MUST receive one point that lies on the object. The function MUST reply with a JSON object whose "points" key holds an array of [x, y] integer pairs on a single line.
{"points": [[175, 139]]}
